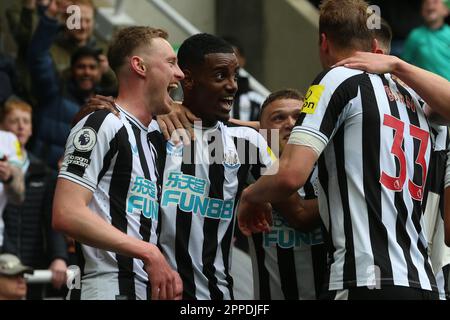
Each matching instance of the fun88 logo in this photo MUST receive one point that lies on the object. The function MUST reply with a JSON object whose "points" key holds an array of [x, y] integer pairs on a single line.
{"points": [[189, 194], [142, 199]]}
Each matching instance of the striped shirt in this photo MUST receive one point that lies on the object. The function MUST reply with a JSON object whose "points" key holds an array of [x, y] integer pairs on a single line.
{"points": [[433, 207], [113, 159], [372, 174], [202, 184], [288, 264]]}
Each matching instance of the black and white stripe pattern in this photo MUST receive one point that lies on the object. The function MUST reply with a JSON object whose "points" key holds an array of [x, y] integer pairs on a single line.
{"points": [[120, 171], [371, 175], [433, 208], [194, 236], [288, 264]]}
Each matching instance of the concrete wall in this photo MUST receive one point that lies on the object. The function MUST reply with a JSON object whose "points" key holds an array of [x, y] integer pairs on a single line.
{"points": [[280, 38], [244, 21], [145, 13], [291, 48]]}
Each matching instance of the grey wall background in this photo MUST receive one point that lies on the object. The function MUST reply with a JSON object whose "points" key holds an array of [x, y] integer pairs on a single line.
{"points": [[280, 38]]}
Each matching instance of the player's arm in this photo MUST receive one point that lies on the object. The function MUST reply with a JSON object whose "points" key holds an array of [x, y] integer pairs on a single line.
{"points": [[72, 216], [78, 180], [285, 177], [433, 89], [300, 214], [254, 214], [252, 124]]}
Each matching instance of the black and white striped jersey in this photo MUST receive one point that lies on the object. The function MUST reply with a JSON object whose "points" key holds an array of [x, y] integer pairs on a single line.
{"points": [[433, 208], [202, 184], [113, 158], [288, 264], [372, 174]]}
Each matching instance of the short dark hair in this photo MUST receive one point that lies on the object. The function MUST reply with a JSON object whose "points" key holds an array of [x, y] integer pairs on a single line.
{"points": [[193, 50], [279, 95], [85, 52], [235, 43], [129, 39], [384, 35]]}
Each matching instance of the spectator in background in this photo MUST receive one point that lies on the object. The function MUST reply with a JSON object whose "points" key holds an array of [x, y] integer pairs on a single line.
{"points": [[428, 46], [12, 281], [23, 19], [247, 102], [10, 82], [28, 231], [58, 102]]}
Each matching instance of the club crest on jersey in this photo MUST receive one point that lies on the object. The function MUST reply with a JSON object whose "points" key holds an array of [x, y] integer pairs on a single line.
{"points": [[85, 139], [173, 149], [231, 160]]}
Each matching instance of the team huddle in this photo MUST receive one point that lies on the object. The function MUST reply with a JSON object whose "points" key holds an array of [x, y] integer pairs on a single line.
{"points": [[347, 209]]}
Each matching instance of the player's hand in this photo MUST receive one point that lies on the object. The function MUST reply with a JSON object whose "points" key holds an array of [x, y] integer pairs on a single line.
{"points": [[98, 102], [178, 286], [56, 9], [59, 273], [370, 62], [174, 124], [163, 280], [252, 217]]}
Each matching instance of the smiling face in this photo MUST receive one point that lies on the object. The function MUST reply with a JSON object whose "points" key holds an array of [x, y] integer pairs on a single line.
{"points": [[162, 75], [86, 73], [281, 114], [82, 34], [210, 88]]}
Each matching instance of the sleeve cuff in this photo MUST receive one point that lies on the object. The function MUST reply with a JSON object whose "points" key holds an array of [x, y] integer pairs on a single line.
{"points": [[303, 138]]}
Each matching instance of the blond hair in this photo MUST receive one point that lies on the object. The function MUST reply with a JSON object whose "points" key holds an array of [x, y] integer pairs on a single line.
{"points": [[344, 22], [128, 40]]}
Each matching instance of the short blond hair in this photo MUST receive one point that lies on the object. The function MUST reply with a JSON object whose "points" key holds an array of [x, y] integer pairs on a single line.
{"points": [[127, 40], [344, 22]]}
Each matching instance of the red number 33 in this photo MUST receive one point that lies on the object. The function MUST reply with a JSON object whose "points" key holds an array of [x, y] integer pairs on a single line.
{"points": [[397, 183]]}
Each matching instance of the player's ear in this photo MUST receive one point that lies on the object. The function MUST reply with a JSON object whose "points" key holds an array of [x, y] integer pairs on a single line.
{"points": [[376, 47], [188, 81], [138, 65], [323, 42]]}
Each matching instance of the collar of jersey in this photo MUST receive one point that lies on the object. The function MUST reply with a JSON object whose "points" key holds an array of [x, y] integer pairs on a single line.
{"points": [[199, 127], [132, 118]]}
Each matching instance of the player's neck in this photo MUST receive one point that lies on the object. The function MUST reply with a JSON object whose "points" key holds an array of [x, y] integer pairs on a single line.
{"points": [[194, 107], [135, 106], [339, 55]]}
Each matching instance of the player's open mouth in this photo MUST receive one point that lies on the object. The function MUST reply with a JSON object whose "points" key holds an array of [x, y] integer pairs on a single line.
{"points": [[227, 102], [172, 87]]}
